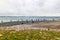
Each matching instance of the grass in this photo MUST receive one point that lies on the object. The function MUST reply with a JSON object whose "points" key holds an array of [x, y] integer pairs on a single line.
{"points": [[29, 35]]}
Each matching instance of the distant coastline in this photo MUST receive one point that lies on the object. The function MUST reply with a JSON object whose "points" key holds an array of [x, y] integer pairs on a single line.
{"points": [[24, 18]]}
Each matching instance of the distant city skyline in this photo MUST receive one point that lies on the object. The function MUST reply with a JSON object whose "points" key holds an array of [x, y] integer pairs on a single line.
{"points": [[29, 7]]}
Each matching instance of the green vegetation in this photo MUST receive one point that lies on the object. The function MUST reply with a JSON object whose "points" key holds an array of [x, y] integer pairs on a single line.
{"points": [[29, 35]]}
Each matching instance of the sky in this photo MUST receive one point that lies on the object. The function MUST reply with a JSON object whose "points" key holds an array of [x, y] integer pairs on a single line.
{"points": [[29, 7]]}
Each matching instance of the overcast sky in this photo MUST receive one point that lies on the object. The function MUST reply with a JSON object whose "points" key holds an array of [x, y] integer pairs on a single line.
{"points": [[30, 7]]}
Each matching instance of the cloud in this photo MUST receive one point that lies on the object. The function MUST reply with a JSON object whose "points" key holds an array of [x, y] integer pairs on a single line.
{"points": [[30, 7], [52, 6]]}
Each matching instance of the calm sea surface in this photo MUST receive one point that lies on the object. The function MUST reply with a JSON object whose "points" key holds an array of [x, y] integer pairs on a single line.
{"points": [[15, 18]]}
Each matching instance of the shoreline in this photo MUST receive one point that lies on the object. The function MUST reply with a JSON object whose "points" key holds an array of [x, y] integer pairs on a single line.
{"points": [[23, 22], [53, 25]]}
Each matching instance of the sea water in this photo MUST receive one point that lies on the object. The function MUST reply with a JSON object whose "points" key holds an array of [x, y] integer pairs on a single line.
{"points": [[24, 18]]}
